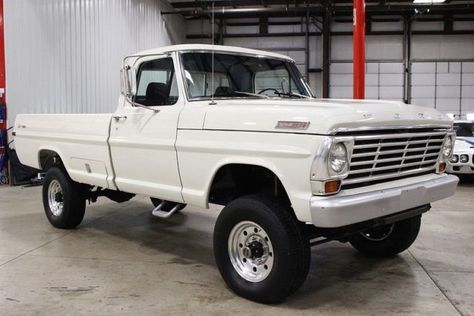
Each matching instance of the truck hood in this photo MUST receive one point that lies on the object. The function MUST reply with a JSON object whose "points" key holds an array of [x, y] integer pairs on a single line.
{"points": [[325, 116]]}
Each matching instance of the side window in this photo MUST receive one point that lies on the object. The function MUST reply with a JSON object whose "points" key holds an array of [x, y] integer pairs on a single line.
{"points": [[157, 83]]}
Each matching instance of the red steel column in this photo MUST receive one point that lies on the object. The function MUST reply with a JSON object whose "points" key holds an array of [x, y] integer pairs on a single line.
{"points": [[359, 49]]}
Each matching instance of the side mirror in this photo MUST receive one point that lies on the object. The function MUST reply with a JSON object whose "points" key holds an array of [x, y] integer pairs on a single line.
{"points": [[128, 81]]}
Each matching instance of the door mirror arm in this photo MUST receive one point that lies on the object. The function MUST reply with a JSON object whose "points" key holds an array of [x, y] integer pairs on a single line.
{"points": [[139, 105]]}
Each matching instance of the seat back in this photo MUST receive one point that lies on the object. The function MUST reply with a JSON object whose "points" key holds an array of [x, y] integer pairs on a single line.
{"points": [[222, 91], [157, 93]]}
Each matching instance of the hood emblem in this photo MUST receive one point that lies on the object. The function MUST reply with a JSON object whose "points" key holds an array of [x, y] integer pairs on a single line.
{"points": [[367, 115], [396, 116], [421, 115], [292, 124]]}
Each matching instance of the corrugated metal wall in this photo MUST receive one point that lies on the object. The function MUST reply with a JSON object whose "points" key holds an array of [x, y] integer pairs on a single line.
{"points": [[65, 55]]}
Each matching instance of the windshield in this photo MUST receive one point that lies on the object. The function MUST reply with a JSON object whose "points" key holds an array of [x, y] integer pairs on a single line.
{"points": [[464, 129], [238, 76]]}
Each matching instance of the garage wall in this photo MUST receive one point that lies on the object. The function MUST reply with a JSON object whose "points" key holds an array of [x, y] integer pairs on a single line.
{"points": [[384, 66], [65, 55], [442, 74]]}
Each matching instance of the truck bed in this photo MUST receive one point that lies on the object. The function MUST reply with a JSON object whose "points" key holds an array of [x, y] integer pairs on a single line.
{"points": [[80, 140]]}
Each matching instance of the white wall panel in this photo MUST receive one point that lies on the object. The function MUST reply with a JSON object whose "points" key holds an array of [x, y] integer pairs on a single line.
{"points": [[468, 105], [423, 79], [423, 102], [252, 29], [447, 86], [428, 47], [388, 26], [65, 55], [463, 25], [376, 48], [427, 25], [382, 80]]}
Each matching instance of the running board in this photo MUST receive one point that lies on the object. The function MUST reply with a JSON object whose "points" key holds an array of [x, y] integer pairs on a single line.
{"points": [[159, 212]]}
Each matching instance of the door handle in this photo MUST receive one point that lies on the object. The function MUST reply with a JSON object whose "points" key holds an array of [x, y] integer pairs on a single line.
{"points": [[119, 117]]}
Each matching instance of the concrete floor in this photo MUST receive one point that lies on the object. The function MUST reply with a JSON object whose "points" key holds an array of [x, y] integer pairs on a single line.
{"points": [[122, 260]]}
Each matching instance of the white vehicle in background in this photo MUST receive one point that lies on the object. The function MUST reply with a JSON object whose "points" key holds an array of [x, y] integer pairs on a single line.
{"points": [[200, 124], [462, 161]]}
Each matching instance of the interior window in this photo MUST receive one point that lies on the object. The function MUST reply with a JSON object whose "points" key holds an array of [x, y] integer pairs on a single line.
{"points": [[270, 81], [200, 83], [157, 83]]}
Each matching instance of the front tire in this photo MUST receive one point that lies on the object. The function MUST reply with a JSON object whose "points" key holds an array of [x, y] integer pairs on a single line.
{"points": [[388, 240], [63, 201], [260, 249]]}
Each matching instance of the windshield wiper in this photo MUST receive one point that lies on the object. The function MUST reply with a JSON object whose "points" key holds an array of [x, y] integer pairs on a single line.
{"points": [[263, 96], [294, 94]]}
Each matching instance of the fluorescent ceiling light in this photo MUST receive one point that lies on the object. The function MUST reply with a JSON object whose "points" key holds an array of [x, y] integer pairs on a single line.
{"points": [[428, 1]]}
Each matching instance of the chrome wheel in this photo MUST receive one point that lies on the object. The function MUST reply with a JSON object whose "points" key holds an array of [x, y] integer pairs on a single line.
{"points": [[250, 251], [55, 198], [378, 233]]}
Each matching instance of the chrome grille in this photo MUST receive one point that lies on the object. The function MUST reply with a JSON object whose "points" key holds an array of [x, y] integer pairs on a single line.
{"points": [[383, 157]]}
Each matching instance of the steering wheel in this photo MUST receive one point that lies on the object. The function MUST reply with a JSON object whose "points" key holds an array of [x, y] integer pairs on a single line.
{"points": [[269, 89]]}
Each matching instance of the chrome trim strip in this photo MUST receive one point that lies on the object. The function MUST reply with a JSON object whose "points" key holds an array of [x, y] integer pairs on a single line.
{"points": [[262, 55], [377, 145], [402, 165], [388, 152], [392, 127], [404, 135], [368, 162], [388, 175]]}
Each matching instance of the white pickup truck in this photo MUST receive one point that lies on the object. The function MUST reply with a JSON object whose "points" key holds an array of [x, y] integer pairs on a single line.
{"points": [[200, 124]]}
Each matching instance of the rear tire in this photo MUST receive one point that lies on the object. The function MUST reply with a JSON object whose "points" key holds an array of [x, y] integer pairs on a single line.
{"points": [[260, 249], [63, 199], [388, 240]]}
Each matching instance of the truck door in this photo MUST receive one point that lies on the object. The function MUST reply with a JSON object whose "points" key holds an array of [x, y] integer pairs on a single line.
{"points": [[142, 141]]}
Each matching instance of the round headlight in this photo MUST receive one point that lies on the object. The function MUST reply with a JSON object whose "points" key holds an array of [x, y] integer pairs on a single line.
{"points": [[338, 158], [447, 147], [454, 159]]}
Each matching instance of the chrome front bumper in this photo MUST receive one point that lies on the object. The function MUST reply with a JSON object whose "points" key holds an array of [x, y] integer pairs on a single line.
{"points": [[337, 211]]}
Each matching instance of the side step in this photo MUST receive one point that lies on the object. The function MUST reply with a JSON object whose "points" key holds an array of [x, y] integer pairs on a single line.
{"points": [[166, 209]]}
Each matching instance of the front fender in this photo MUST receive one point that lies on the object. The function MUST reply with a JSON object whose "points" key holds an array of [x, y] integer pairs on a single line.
{"points": [[202, 153]]}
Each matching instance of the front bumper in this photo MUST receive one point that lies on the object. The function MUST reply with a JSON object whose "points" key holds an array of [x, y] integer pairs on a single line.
{"points": [[337, 211]]}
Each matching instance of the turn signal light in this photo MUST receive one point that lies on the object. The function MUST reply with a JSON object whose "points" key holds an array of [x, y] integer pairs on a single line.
{"points": [[332, 186], [442, 167]]}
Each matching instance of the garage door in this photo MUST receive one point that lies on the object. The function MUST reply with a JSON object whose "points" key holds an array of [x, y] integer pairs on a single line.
{"points": [[384, 80], [446, 86]]}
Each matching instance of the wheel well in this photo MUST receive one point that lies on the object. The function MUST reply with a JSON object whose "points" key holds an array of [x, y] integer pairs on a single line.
{"points": [[236, 180], [48, 158]]}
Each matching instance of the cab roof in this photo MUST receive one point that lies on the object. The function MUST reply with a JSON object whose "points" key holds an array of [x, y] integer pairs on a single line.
{"points": [[206, 47]]}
